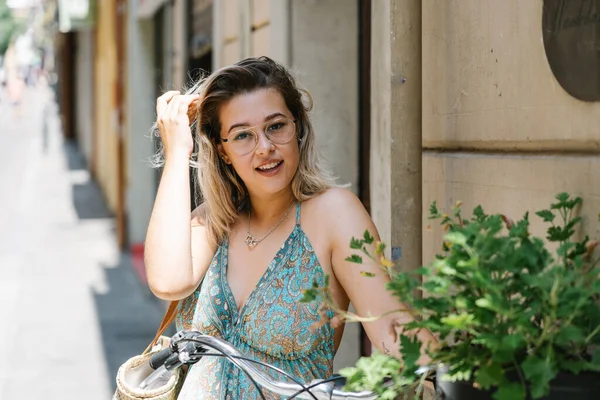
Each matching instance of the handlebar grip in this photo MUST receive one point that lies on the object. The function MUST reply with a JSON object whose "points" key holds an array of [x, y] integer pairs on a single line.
{"points": [[158, 359]]}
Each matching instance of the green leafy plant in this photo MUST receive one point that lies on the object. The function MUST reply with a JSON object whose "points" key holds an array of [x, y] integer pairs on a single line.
{"points": [[511, 310]]}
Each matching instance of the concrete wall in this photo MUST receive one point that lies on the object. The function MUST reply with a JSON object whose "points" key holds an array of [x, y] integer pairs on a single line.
{"points": [[84, 114], [489, 96], [496, 89], [497, 128], [508, 184], [140, 180], [227, 41], [251, 28], [324, 56], [395, 162], [381, 115]]}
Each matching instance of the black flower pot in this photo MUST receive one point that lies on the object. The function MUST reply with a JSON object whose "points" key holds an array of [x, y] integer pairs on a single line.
{"points": [[459, 390], [584, 386]]}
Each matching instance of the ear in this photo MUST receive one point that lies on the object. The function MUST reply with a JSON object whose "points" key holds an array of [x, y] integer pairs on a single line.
{"points": [[223, 154]]}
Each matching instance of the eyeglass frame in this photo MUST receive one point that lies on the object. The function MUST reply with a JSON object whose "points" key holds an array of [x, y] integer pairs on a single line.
{"points": [[253, 129]]}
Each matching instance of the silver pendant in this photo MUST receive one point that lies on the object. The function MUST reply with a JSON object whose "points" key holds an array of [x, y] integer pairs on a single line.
{"points": [[250, 240]]}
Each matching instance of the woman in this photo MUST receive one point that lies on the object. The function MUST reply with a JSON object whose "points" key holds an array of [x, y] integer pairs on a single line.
{"points": [[270, 224]]}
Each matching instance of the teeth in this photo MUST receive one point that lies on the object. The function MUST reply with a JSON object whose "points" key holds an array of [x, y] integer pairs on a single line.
{"points": [[269, 166]]}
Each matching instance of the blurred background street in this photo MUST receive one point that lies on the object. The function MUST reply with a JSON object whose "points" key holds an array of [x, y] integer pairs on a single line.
{"points": [[72, 310]]}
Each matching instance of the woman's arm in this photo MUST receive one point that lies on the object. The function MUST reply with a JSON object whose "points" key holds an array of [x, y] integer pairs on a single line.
{"points": [[368, 294], [177, 250]]}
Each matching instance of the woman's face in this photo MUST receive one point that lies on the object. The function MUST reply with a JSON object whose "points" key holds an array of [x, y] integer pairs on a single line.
{"points": [[269, 168]]}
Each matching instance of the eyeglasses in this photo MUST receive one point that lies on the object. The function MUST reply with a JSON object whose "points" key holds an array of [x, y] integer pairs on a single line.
{"points": [[278, 131]]}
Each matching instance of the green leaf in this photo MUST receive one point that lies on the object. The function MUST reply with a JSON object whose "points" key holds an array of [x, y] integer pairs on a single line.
{"points": [[564, 248], [513, 342], [459, 321], [424, 271], [356, 244], [368, 238], [558, 234], [569, 334], [367, 274], [369, 373], [309, 295], [479, 214], [456, 238], [539, 372], [355, 258], [562, 197], [489, 375], [489, 340], [595, 362], [576, 201], [447, 269], [546, 215], [410, 349], [485, 303], [460, 302], [573, 366], [521, 228], [433, 211], [510, 391]]}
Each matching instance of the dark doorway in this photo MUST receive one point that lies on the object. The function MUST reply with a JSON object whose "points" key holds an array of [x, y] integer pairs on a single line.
{"points": [[200, 67], [364, 119]]}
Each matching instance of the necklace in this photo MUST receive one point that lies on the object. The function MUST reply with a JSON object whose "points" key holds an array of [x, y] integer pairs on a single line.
{"points": [[251, 241]]}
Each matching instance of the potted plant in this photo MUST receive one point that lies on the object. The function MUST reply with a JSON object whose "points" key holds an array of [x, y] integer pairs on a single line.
{"points": [[517, 317]]}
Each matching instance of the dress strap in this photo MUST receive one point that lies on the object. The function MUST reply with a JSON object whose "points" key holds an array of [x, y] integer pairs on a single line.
{"points": [[298, 214]]}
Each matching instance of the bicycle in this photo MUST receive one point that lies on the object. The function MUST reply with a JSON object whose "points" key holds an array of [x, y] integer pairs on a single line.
{"points": [[188, 347]]}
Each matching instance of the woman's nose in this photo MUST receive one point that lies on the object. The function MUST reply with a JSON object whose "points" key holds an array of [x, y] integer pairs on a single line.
{"points": [[264, 145]]}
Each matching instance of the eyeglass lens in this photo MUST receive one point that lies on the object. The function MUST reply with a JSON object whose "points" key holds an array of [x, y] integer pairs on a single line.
{"points": [[279, 131]]}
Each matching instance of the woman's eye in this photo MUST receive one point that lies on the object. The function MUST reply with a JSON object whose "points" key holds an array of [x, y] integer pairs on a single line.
{"points": [[276, 126], [242, 136]]}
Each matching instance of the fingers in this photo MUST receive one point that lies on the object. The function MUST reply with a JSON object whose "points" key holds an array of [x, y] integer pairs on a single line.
{"points": [[169, 113], [162, 101], [172, 105], [178, 107]]}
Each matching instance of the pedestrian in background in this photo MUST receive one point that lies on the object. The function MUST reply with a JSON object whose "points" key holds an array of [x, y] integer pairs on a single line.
{"points": [[15, 87]]}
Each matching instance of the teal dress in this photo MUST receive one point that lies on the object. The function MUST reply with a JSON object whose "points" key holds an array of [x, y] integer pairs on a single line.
{"points": [[273, 326]]}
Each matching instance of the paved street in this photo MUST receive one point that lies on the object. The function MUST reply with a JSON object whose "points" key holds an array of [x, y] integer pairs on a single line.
{"points": [[71, 308]]}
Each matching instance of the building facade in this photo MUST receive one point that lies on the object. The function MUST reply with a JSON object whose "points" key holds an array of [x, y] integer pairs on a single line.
{"points": [[414, 101]]}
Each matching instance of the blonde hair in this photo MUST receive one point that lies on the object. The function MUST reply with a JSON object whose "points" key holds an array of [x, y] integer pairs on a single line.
{"points": [[217, 182]]}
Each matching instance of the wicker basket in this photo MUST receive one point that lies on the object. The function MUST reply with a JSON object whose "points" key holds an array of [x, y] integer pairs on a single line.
{"points": [[135, 370]]}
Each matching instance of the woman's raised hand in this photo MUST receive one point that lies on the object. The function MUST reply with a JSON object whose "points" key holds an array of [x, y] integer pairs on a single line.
{"points": [[173, 121]]}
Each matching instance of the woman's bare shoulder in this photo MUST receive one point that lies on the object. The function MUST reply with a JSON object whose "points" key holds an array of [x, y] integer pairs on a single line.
{"points": [[334, 202]]}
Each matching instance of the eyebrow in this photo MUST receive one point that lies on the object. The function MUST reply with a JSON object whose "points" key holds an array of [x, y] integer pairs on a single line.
{"points": [[268, 117]]}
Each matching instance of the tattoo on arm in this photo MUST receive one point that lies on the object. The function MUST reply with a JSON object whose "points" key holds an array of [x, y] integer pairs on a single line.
{"points": [[386, 351]]}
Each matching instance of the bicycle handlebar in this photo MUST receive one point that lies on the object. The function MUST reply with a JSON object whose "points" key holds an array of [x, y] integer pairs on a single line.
{"points": [[187, 347]]}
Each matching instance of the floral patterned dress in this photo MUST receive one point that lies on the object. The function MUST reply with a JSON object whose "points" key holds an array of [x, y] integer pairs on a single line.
{"points": [[273, 326]]}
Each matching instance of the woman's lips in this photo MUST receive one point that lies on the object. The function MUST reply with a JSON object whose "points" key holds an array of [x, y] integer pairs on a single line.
{"points": [[271, 171]]}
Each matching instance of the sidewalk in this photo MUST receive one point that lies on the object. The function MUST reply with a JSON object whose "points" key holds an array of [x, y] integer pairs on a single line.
{"points": [[71, 308]]}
